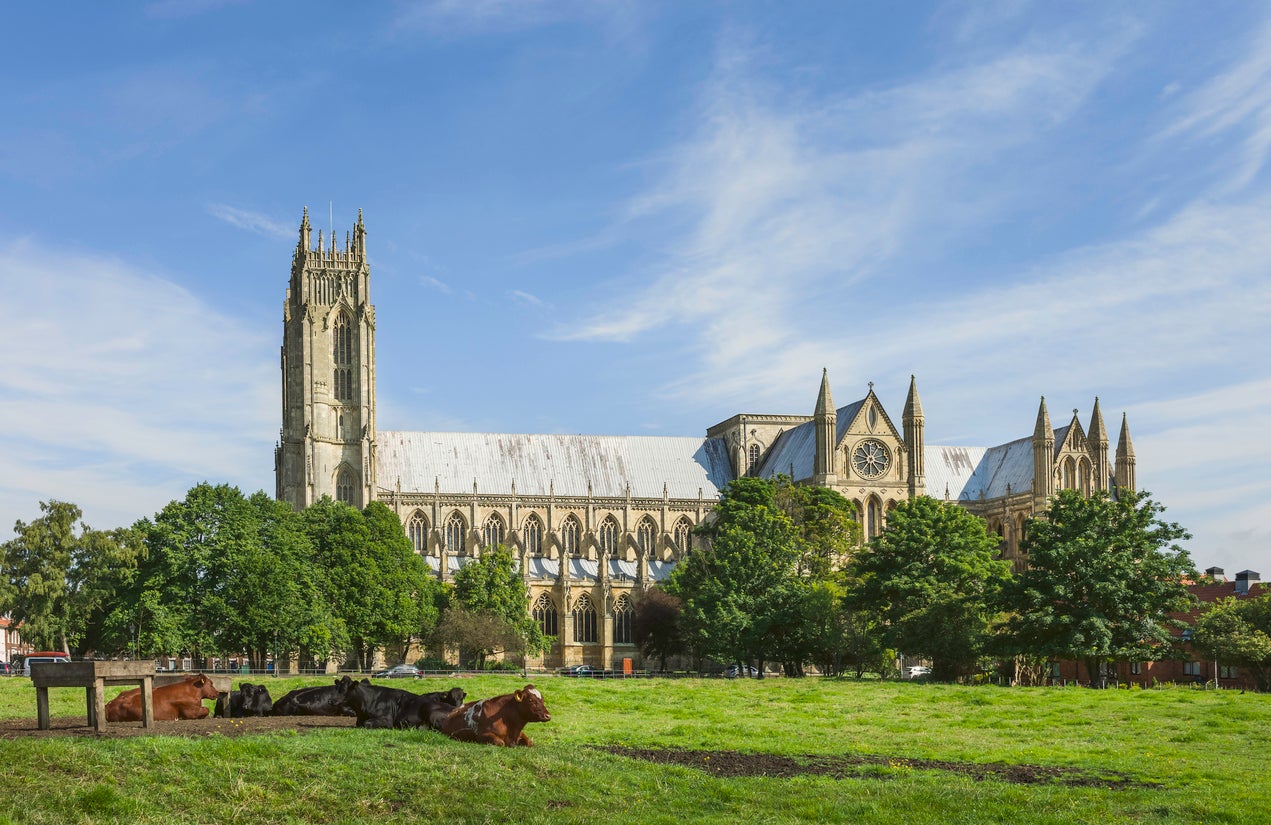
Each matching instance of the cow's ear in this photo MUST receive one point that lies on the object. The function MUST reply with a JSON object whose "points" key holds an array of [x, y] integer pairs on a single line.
{"points": [[517, 696]]}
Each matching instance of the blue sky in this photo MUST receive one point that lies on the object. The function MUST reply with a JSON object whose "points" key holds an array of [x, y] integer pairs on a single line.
{"points": [[641, 218]]}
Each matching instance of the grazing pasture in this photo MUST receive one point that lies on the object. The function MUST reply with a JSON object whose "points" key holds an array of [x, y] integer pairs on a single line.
{"points": [[676, 751]]}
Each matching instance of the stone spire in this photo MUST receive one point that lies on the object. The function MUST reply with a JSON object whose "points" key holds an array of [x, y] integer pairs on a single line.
{"points": [[914, 424], [825, 420], [1125, 458], [1098, 441], [1043, 458]]}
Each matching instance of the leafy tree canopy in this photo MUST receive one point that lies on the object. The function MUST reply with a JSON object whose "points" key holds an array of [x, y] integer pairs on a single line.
{"points": [[932, 579], [1104, 574], [60, 574]]}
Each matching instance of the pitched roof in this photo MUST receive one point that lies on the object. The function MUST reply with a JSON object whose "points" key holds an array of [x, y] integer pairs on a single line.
{"points": [[970, 471], [564, 464], [794, 451]]}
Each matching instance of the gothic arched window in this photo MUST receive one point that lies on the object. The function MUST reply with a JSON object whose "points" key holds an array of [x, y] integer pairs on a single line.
{"points": [[544, 613], [1084, 473], [646, 534], [346, 486], [533, 535], [609, 536], [342, 359], [622, 616], [754, 458], [873, 518], [1069, 481], [417, 530], [492, 531], [569, 534], [455, 527], [584, 620], [684, 536]]}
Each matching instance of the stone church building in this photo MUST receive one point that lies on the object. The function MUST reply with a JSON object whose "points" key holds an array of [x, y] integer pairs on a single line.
{"points": [[591, 519]]}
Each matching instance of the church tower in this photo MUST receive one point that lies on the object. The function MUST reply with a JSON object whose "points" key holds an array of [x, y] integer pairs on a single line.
{"points": [[1098, 441], [327, 443]]}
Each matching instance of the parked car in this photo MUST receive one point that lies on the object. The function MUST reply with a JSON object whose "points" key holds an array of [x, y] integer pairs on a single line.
{"points": [[748, 671], [6, 669], [399, 672], [917, 672], [43, 656], [583, 670]]}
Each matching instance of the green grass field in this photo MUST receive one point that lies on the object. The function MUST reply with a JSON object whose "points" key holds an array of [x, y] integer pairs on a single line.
{"points": [[1183, 755]]}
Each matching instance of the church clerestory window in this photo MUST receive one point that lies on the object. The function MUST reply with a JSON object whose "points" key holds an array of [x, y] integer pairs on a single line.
{"points": [[532, 534], [609, 536], [645, 535], [417, 531], [492, 531], [454, 534], [753, 464], [569, 535], [684, 537]]}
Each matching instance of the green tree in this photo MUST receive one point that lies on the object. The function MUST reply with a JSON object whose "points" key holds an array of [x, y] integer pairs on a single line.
{"points": [[60, 574], [736, 592], [1104, 576], [933, 579], [1238, 632], [490, 598], [373, 578]]}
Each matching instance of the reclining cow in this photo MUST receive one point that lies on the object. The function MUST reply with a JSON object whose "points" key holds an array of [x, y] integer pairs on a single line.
{"points": [[430, 709], [248, 700], [497, 721], [325, 700], [179, 700], [377, 706]]}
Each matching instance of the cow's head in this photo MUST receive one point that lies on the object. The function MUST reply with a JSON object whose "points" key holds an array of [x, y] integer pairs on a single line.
{"points": [[204, 685], [530, 701], [343, 684], [456, 696], [259, 698]]}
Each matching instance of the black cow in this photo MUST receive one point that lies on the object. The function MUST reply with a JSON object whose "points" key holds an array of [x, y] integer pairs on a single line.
{"points": [[327, 700], [376, 706], [429, 709], [248, 700]]}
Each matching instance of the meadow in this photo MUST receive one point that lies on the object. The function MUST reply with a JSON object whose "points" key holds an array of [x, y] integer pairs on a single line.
{"points": [[896, 752]]}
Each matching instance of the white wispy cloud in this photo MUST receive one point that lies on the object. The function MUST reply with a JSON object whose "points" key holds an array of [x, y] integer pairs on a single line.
{"points": [[433, 283], [773, 198], [1239, 99], [526, 298], [465, 17], [133, 389], [251, 221]]}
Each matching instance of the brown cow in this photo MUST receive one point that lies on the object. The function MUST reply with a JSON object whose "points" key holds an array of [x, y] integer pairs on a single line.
{"points": [[180, 700], [497, 721]]}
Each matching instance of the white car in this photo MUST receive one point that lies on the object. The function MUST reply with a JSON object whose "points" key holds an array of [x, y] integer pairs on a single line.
{"points": [[917, 671]]}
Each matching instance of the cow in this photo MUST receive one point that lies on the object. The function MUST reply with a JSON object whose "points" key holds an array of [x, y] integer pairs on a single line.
{"points": [[497, 721], [248, 700], [429, 709], [376, 706], [325, 700], [180, 700]]}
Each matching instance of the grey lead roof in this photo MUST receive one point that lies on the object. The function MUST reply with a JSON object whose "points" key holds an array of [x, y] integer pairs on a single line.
{"points": [[794, 452], [968, 471], [565, 464]]}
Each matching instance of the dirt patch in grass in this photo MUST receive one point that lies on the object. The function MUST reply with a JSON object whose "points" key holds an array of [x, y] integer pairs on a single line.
{"points": [[734, 763], [78, 726]]}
